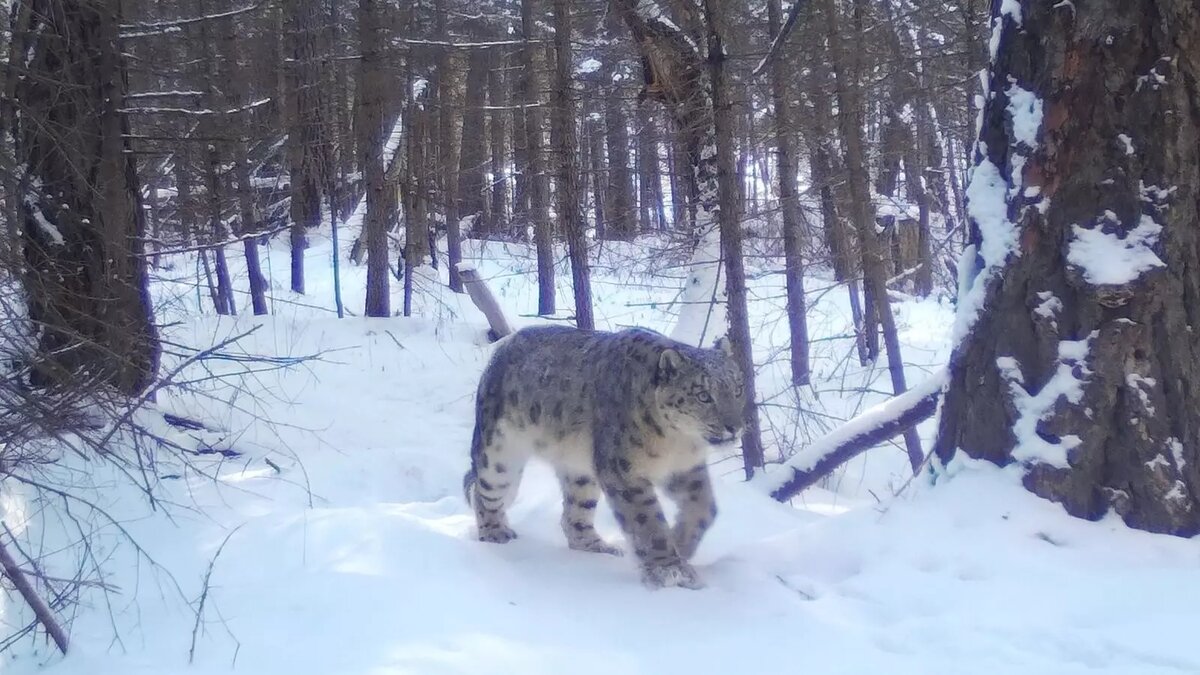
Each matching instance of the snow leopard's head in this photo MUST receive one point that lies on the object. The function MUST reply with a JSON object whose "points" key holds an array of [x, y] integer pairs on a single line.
{"points": [[701, 391]]}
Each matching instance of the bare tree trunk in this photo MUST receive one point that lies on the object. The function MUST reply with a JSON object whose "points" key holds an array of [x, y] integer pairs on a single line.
{"points": [[474, 153], [793, 226], [647, 160], [569, 217], [594, 172], [731, 232], [447, 163], [539, 215], [305, 131], [1078, 358], [236, 97], [622, 222], [498, 98], [218, 233], [416, 242], [849, 111], [380, 197], [86, 277]]}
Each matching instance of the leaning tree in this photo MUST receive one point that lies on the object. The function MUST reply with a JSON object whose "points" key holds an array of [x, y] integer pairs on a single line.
{"points": [[82, 224], [1078, 355]]}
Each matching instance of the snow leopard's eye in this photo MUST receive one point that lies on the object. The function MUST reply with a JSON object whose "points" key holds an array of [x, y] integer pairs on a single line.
{"points": [[704, 396]]}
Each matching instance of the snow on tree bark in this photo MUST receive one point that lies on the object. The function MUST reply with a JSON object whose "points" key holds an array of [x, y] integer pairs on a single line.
{"points": [[1077, 355]]}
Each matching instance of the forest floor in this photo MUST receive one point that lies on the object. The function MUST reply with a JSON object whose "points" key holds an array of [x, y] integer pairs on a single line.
{"points": [[338, 541]]}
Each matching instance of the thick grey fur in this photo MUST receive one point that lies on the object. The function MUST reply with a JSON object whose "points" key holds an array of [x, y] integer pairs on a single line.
{"points": [[617, 414]]}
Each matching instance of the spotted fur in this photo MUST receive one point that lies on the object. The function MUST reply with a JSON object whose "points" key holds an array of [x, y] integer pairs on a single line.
{"points": [[617, 414]]}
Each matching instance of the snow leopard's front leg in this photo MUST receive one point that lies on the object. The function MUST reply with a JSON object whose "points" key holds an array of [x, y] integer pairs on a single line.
{"points": [[638, 511], [692, 492]]}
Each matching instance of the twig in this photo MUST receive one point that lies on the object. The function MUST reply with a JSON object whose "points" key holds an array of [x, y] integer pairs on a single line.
{"points": [[204, 592]]}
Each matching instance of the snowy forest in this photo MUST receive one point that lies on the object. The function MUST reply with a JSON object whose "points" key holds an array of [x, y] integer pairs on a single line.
{"points": [[932, 266]]}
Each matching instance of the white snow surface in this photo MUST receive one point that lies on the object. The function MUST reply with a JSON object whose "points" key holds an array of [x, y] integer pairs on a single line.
{"points": [[359, 557]]}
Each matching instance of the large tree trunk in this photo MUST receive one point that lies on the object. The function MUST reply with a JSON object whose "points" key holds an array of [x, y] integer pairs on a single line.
{"points": [[1078, 357], [381, 199], [569, 216], [83, 225]]}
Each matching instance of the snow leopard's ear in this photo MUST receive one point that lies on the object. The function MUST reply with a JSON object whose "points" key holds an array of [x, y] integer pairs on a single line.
{"points": [[668, 366], [724, 345]]}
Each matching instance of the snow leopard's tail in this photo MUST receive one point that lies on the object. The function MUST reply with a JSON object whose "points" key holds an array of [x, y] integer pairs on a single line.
{"points": [[472, 475], [468, 483]]}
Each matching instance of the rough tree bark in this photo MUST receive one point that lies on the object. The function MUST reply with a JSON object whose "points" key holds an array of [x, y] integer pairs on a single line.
{"points": [[473, 155], [305, 137], [622, 220], [447, 163], [729, 216], [497, 84], [1078, 356], [793, 225], [539, 214], [236, 96], [677, 74], [381, 200], [569, 216], [692, 83], [850, 124], [83, 227]]}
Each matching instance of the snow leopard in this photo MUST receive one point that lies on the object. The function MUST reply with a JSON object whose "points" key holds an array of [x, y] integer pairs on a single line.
{"points": [[617, 414]]}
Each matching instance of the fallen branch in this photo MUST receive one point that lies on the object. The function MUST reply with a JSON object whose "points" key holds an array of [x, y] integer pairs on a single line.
{"points": [[875, 425], [482, 296], [39, 607]]}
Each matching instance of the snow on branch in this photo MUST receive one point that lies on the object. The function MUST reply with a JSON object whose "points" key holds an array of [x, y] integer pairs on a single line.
{"points": [[873, 426], [191, 111], [136, 30]]}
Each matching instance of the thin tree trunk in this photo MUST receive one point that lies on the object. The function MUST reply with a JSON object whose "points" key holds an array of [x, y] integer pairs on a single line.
{"points": [[622, 220], [539, 215], [236, 97], [473, 156], [498, 99], [731, 233], [304, 132], [849, 109], [793, 227], [447, 163], [569, 217]]}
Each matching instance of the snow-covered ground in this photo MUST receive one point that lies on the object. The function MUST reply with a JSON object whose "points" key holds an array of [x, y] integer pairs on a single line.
{"points": [[339, 543]]}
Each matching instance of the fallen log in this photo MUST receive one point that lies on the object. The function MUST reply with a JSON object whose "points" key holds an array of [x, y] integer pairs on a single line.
{"points": [[874, 426], [482, 296]]}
